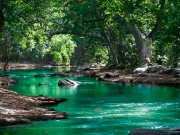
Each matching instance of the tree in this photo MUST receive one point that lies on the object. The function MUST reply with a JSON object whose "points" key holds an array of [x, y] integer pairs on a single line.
{"points": [[61, 49], [132, 31]]}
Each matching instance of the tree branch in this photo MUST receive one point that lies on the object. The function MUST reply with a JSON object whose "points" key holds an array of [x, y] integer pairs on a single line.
{"points": [[75, 33], [153, 33]]}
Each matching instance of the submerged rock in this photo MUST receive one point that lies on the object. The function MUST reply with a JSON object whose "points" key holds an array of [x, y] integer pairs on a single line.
{"points": [[41, 75], [59, 74], [43, 84]]}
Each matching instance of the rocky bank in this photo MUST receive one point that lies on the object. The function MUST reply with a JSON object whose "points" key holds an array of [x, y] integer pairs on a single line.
{"points": [[20, 109]]}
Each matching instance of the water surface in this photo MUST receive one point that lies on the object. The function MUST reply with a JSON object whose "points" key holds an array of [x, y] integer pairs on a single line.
{"points": [[97, 108]]}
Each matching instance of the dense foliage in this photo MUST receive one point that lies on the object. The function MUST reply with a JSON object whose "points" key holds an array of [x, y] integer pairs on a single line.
{"points": [[122, 33]]}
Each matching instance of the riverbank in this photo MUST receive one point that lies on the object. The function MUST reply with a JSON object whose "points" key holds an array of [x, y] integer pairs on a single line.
{"points": [[17, 65], [121, 76], [20, 109], [126, 78]]}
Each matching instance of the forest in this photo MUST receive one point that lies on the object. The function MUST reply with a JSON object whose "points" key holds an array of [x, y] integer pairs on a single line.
{"points": [[136, 41], [120, 33]]}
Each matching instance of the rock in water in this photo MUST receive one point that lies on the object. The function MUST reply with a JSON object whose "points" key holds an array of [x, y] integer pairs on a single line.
{"points": [[40, 75], [43, 84], [67, 82], [153, 132], [59, 74]]}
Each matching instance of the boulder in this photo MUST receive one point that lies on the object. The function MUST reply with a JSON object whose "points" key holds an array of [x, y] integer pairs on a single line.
{"points": [[102, 65], [154, 69], [176, 71], [176, 129], [140, 70], [67, 82], [101, 78], [47, 66], [153, 132], [93, 65], [110, 75], [166, 71]]}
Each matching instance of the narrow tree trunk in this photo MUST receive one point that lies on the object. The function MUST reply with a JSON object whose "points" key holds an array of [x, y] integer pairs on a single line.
{"points": [[121, 52], [106, 39], [141, 47], [112, 52], [2, 19], [5, 51]]}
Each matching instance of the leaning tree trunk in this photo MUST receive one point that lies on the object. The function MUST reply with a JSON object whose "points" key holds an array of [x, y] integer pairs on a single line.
{"points": [[144, 52]]}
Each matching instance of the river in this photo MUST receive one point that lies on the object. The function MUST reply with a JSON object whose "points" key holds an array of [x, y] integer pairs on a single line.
{"points": [[97, 108]]}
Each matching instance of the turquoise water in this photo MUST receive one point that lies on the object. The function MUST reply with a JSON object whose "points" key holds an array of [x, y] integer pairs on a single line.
{"points": [[97, 108]]}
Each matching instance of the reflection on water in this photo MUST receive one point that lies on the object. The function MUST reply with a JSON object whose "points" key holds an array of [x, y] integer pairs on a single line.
{"points": [[96, 108]]}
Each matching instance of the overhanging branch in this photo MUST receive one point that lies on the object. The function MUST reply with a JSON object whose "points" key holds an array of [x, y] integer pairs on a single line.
{"points": [[153, 33], [77, 34]]}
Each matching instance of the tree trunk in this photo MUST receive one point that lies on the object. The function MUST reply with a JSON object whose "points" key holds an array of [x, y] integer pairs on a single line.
{"points": [[105, 37], [2, 19], [5, 51], [144, 52], [112, 51]]}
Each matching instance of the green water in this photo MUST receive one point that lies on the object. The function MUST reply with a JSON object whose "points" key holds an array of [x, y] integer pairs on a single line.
{"points": [[96, 108]]}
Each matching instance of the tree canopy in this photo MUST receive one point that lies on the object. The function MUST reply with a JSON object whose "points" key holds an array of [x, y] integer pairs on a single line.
{"points": [[122, 33]]}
